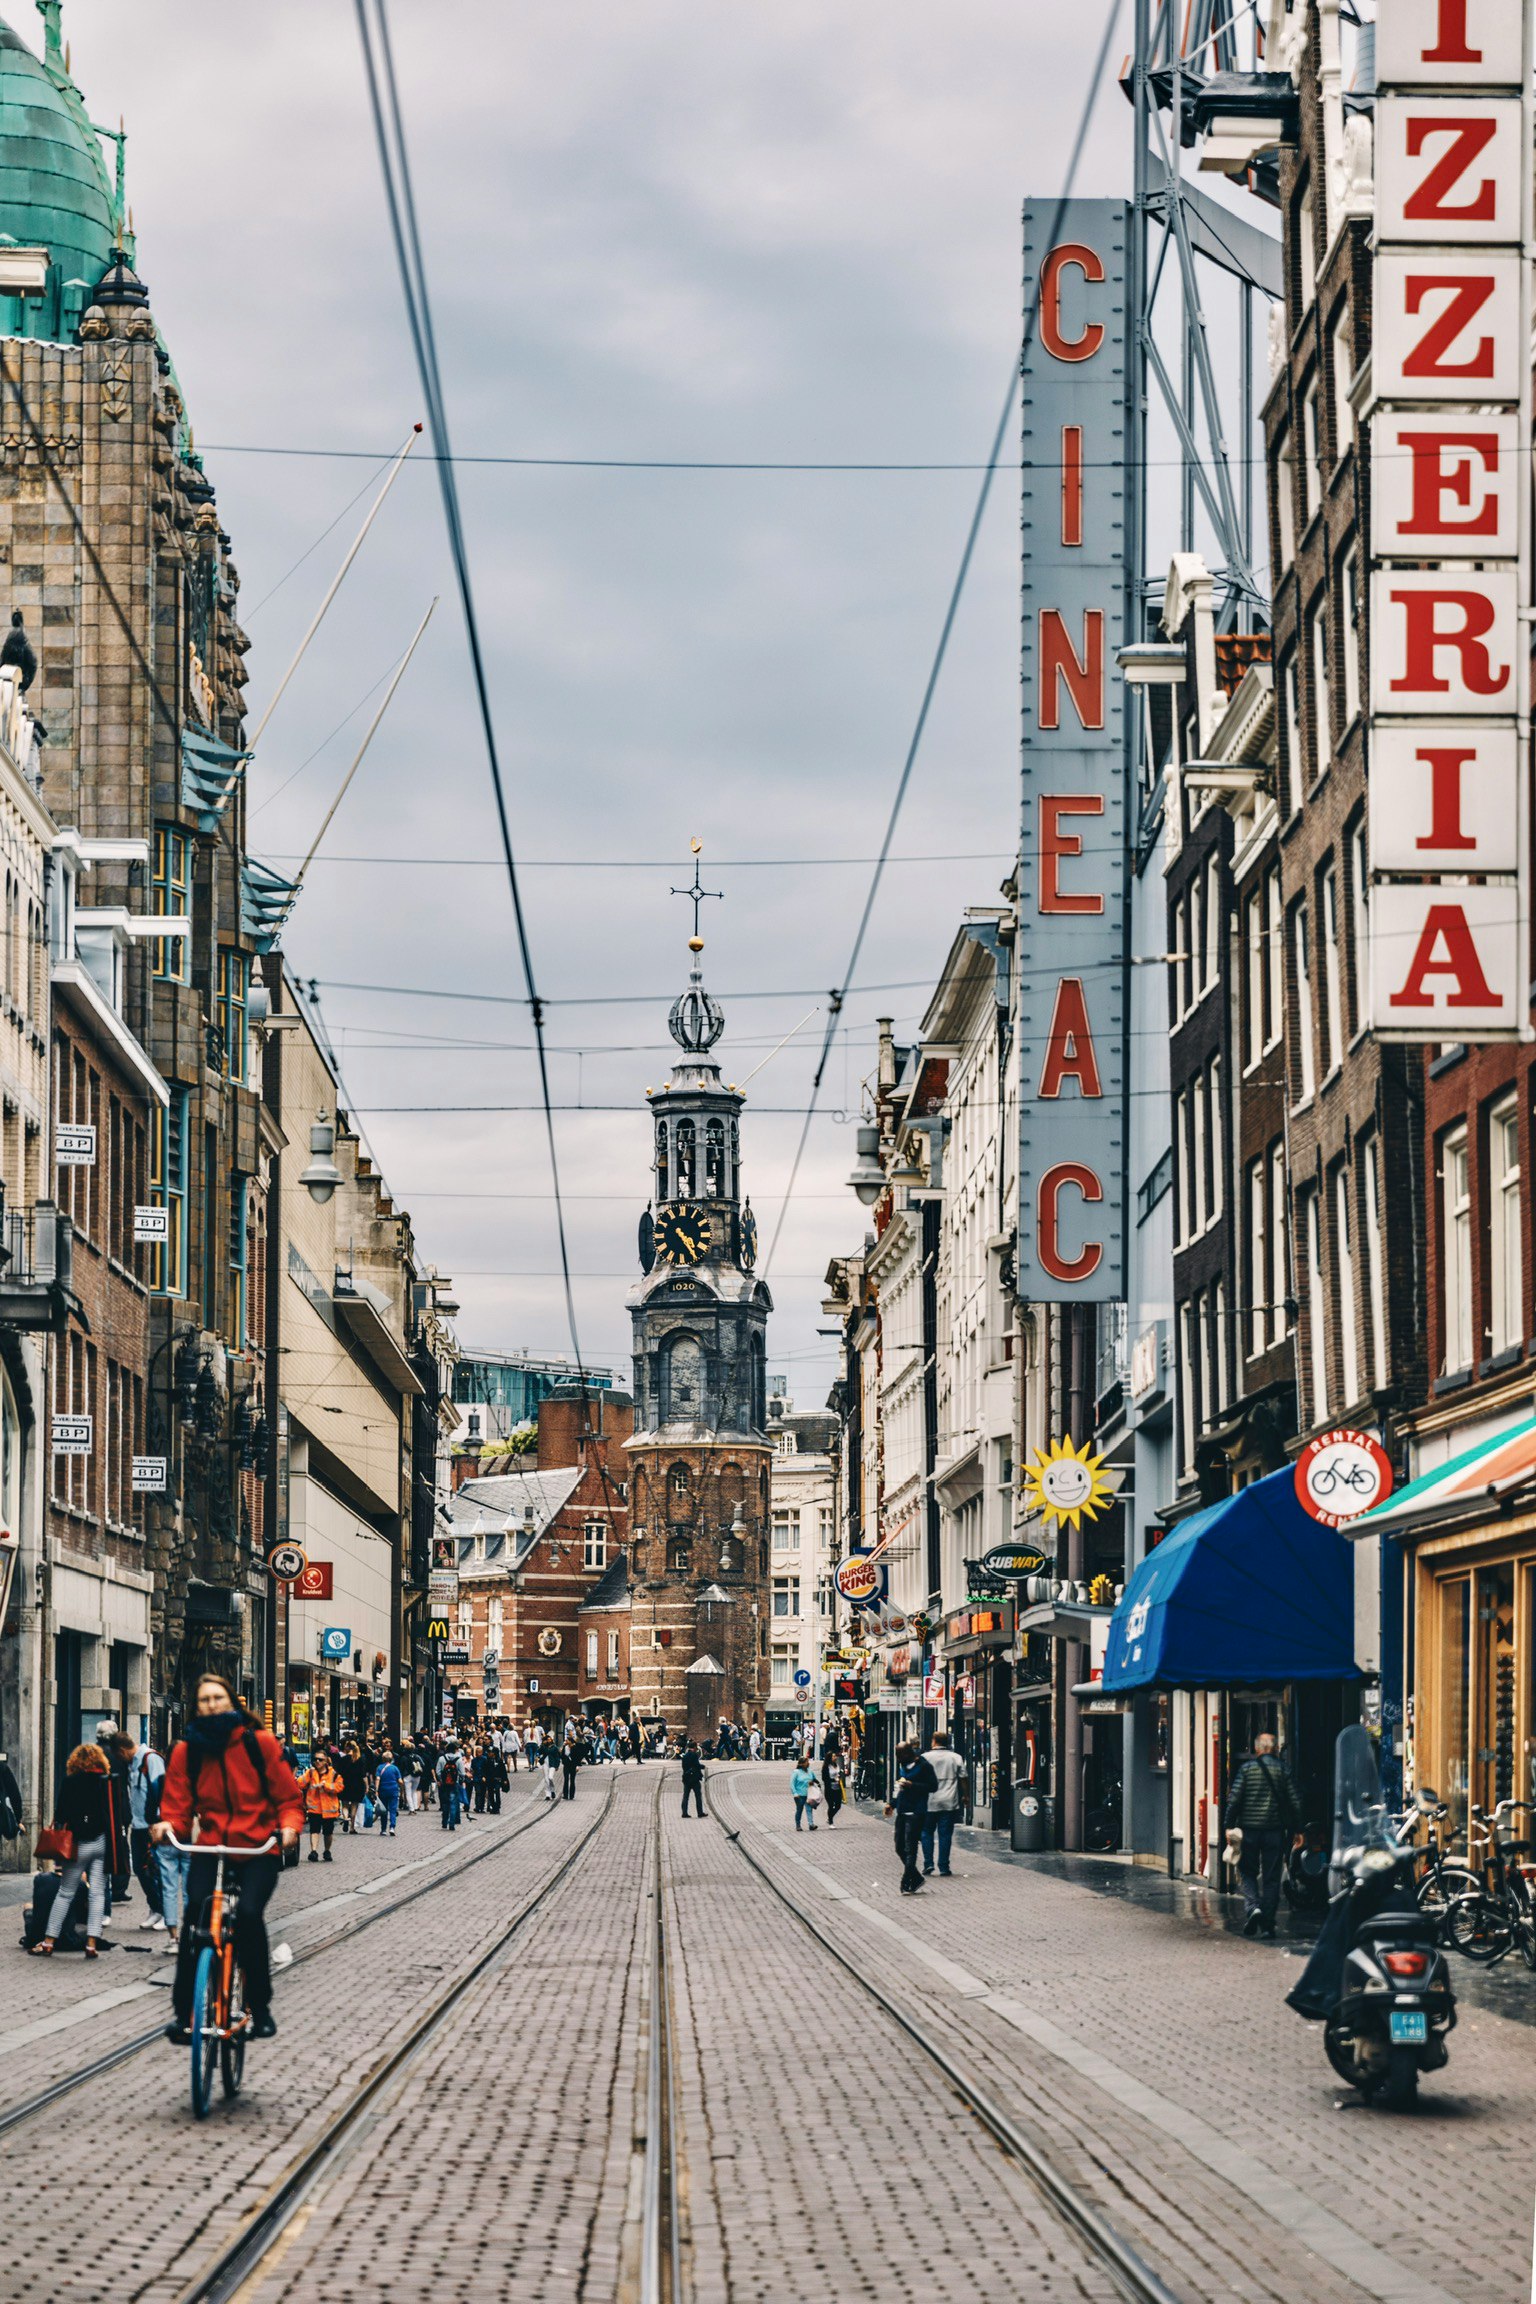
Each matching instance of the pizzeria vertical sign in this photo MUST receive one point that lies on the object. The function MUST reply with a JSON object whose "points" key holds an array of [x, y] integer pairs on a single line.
{"points": [[1450, 528], [1072, 890]]}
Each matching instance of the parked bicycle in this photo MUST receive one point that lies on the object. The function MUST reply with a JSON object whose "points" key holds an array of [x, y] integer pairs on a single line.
{"points": [[1499, 1914], [221, 2022], [1445, 1879]]}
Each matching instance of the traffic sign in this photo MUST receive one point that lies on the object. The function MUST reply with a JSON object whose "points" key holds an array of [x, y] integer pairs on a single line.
{"points": [[803, 1696], [286, 1563], [802, 1678]]}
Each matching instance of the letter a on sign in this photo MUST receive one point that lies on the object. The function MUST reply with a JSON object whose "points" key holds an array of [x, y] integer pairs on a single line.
{"points": [[1445, 957]]}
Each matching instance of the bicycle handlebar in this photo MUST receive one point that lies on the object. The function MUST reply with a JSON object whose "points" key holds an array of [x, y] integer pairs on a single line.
{"points": [[212, 1848]]}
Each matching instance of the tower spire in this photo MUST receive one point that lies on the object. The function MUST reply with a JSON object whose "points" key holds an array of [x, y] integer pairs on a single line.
{"points": [[697, 1020]]}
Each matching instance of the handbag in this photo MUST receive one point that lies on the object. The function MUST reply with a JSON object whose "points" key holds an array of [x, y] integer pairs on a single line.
{"points": [[813, 1796], [57, 1843]]}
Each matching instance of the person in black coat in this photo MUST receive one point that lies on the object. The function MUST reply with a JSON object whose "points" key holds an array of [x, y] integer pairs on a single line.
{"points": [[570, 1761], [915, 1780], [10, 1802], [352, 1768], [85, 1808], [693, 1777]]}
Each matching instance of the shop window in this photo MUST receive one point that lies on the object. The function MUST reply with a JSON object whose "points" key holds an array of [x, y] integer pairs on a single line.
{"points": [[1456, 1704]]}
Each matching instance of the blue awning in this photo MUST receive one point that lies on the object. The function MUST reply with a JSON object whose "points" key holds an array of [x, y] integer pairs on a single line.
{"points": [[1250, 1593]]}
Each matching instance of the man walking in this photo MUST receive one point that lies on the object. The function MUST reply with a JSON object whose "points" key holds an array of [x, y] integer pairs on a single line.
{"points": [[449, 1775], [1262, 1813], [938, 1829], [145, 1771], [693, 1777], [570, 1761], [914, 1787]]}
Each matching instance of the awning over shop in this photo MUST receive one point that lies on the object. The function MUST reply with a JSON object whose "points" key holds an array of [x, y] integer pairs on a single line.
{"points": [[1252, 1592], [1489, 1470]]}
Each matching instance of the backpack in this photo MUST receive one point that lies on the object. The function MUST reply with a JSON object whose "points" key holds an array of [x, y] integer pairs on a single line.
{"points": [[450, 1775]]}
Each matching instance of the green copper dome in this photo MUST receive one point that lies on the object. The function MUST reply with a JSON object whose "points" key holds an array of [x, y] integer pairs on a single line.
{"points": [[54, 189]]}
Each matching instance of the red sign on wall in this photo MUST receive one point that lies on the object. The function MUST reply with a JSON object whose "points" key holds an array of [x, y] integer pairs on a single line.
{"points": [[317, 1581]]}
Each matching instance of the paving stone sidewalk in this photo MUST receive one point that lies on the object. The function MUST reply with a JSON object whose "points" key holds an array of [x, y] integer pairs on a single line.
{"points": [[1180, 2086]]}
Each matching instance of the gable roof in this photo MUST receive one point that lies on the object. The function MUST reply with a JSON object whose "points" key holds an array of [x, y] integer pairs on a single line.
{"points": [[612, 1588]]}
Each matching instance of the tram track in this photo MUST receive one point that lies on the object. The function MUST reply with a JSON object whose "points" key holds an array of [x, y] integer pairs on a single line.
{"points": [[239, 2266], [661, 2234], [1129, 2271], [16, 2116]]}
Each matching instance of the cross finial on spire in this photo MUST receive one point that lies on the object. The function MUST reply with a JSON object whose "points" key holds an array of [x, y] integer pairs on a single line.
{"points": [[697, 895]]}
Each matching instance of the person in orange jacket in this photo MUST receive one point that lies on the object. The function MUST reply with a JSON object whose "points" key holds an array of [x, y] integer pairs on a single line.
{"points": [[323, 1790], [228, 1775]]}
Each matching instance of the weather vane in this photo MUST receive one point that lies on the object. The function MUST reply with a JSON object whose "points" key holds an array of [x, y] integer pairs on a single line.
{"points": [[697, 894]]}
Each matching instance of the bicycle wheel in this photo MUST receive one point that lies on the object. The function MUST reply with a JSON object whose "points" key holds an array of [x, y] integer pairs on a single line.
{"points": [[1438, 1891], [205, 2038], [232, 2050], [1478, 1928]]}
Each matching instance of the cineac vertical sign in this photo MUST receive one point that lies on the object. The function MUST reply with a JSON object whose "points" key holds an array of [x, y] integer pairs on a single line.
{"points": [[1450, 419], [1072, 886]]}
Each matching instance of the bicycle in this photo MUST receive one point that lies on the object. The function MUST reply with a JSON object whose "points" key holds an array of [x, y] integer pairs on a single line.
{"points": [[221, 2022], [1445, 1881], [1499, 1916]]}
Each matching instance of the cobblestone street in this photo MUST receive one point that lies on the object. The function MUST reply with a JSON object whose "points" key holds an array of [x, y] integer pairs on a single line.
{"points": [[815, 2150]]}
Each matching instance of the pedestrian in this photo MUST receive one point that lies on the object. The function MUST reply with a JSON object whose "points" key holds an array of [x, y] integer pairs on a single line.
{"points": [[10, 1802], [228, 1777], [943, 1805], [84, 1810], [549, 1762], [570, 1761], [354, 1782], [755, 1745], [807, 1793], [143, 1769], [322, 1796], [511, 1748], [693, 1776], [1262, 1815], [480, 1774], [450, 1782], [535, 1747], [387, 1785], [915, 1783], [832, 1782]]}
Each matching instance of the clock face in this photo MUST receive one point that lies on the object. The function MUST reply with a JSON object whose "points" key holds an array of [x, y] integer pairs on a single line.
{"points": [[647, 1241], [682, 1235], [748, 1237]]}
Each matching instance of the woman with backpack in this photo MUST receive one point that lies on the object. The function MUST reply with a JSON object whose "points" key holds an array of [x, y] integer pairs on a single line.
{"points": [[85, 1811], [229, 1778], [322, 1794], [450, 1786]]}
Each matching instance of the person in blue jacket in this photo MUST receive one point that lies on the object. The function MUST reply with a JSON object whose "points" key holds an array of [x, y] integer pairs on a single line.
{"points": [[807, 1793]]}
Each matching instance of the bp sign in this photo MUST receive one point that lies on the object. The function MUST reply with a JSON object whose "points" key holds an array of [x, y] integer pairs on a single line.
{"points": [[1016, 1560]]}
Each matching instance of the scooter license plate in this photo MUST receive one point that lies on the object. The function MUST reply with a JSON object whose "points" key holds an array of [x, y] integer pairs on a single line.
{"points": [[1410, 2028]]}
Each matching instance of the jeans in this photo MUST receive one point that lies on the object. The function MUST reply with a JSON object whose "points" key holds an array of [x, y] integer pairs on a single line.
{"points": [[938, 1824], [695, 1793], [1259, 1869], [570, 1767], [909, 1840], [172, 1867], [801, 1806], [258, 1877], [449, 1803], [389, 1813], [145, 1869], [88, 1863]]}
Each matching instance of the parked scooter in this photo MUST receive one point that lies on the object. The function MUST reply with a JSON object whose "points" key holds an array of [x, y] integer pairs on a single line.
{"points": [[1377, 1980]]}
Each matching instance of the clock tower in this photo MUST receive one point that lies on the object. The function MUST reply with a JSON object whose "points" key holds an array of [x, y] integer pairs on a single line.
{"points": [[700, 1450]]}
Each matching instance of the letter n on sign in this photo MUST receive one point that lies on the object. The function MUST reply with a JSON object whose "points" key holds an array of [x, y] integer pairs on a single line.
{"points": [[1072, 889]]}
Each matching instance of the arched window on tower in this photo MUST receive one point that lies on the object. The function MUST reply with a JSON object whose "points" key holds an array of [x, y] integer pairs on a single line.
{"points": [[759, 1385], [682, 1387], [714, 1160], [679, 1493], [679, 1555], [685, 1170], [733, 1180], [663, 1148]]}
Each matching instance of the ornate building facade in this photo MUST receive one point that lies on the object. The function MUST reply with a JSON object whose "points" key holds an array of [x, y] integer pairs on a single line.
{"points": [[699, 1507]]}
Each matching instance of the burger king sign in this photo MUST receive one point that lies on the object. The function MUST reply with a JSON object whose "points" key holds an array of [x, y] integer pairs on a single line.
{"points": [[858, 1579]]}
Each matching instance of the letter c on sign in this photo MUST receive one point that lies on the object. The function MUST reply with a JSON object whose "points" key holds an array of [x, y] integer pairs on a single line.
{"points": [[1091, 267], [1048, 1221]]}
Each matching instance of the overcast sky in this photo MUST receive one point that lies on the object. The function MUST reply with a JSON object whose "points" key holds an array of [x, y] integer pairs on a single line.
{"points": [[655, 229]]}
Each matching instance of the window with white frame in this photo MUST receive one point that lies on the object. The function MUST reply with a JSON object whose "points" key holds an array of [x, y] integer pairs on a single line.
{"points": [[1343, 377], [495, 1624], [594, 1544], [1213, 920], [782, 1668], [1194, 942], [1285, 500], [1456, 1250], [1328, 953], [1279, 1235], [1217, 1164], [1359, 924], [1256, 977], [1186, 1228], [825, 1527], [786, 1528], [466, 1620], [1317, 1313], [1370, 1247], [1207, 1401], [613, 1655], [591, 1655], [1187, 1381], [1256, 1188], [1507, 1293], [1311, 447], [1219, 1341], [1317, 666], [1344, 1265], [1306, 1062], [786, 1595], [1291, 754], [1200, 1191], [1351, 634], [1274, 947]]}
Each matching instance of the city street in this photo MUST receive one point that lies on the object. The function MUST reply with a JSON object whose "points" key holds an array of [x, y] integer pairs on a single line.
{"points": [[810, 2146]]}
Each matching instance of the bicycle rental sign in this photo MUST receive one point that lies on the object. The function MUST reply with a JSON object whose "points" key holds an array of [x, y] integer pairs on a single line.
{"points": [[1341, 1474]]}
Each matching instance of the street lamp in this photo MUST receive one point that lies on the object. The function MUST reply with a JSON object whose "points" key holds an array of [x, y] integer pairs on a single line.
{"points": [[322, 1176], [868, 1178]]}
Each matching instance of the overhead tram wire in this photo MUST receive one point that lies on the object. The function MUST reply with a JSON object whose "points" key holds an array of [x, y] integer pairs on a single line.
{"points": [[394, 163], [837, 997]]}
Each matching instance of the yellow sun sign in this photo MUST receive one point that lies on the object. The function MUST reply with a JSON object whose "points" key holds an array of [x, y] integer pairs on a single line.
{"points": [[1067, 1483]]}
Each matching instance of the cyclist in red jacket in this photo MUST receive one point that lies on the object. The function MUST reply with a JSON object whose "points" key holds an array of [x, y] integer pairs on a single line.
{"points": [[228, 1775]]}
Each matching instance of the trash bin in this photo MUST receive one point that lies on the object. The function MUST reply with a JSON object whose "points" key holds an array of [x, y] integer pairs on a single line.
{"points": [[1029, 1820]]}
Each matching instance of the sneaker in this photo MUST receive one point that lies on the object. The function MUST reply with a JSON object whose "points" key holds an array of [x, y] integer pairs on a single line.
{"points": [[262, 2026], [1252, 1924], [314, 1855], [329, 1858], [179, 2034], [156, 1920]]}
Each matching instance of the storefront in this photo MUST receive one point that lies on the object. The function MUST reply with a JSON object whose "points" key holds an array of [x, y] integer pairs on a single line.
{"points": [[978, 1702], [1243, 1619], [1467, 1531]]}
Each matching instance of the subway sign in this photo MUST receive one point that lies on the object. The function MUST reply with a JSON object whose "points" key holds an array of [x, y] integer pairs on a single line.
{"points": [[1450, 429], [1072, 892]]}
